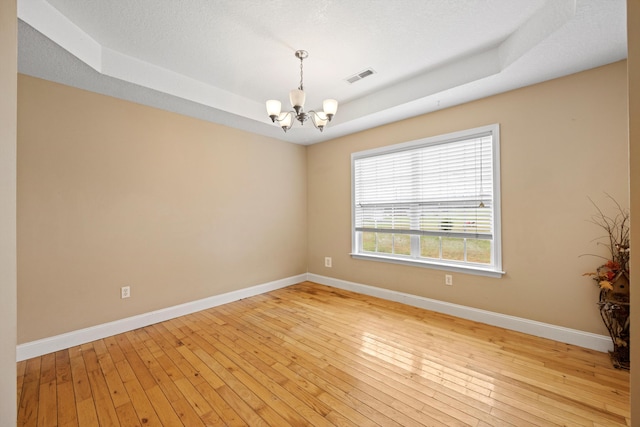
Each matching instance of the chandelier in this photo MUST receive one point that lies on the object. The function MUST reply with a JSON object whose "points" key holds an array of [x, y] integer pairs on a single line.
{"points": [[297, 97]]}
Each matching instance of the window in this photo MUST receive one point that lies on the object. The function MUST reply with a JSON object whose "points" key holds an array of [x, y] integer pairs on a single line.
{"points": [[434, 202]]}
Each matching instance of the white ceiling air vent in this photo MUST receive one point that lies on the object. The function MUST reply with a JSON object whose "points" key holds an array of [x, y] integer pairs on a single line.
{"points": [[359, 76]]}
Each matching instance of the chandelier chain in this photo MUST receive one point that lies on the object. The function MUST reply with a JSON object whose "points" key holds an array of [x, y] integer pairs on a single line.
{"points": [[301, 87]]}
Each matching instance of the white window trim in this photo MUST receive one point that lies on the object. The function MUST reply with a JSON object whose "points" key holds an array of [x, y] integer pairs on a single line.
{"points": [[492, 271]]}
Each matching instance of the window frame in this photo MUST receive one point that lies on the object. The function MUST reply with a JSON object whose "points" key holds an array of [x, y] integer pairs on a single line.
{"points": [[494, 270]]}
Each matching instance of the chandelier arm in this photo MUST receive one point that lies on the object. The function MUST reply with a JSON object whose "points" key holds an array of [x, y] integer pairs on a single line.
{"points": [[283, 117], [315, 116], [319, 115]]}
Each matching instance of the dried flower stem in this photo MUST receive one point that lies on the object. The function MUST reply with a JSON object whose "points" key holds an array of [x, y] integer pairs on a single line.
{"points": [[617, 233]]}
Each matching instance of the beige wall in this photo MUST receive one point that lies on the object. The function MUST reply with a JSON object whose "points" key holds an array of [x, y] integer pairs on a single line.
{"points": [[561, 141], [8, 67], [633, 37], [8, 71], [112, 193]]}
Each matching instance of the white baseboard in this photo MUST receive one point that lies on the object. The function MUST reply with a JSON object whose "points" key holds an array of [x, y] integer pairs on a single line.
{"points": [[531, 327], [70, 339]]}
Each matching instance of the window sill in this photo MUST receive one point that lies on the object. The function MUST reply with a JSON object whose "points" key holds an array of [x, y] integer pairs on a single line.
{"points": [[430, 264]]}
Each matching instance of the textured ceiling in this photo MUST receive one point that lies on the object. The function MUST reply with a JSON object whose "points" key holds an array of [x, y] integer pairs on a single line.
{"points": [[220, 60]]}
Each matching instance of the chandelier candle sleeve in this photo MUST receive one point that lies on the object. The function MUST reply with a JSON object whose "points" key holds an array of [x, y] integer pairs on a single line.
{"points": [[273, 108], [297, 98], [319, 123], [286, 120], [330, 107]]}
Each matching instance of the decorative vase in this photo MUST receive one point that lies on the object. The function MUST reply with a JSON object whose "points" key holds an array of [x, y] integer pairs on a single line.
{"points": [[614, 310]]}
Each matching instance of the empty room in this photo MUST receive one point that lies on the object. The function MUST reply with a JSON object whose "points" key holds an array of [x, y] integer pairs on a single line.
{"points": [[327, 213]]}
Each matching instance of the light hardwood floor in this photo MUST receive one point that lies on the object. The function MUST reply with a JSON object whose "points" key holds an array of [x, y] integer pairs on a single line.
{"points": [[314, 355]]}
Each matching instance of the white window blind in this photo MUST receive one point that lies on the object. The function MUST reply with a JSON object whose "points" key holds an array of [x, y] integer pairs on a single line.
{"points": [[441, 187]]}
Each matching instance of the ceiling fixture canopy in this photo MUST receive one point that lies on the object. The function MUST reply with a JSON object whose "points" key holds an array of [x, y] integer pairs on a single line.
{"points": [[297, 97]]}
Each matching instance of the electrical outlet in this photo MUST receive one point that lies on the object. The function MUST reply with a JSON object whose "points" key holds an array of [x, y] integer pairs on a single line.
{"points": [[327, 261], [125, 292], [448, 280]]}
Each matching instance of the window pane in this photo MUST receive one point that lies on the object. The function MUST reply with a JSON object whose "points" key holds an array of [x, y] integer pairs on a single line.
{"points": [[479, 251], [385, 242], [402, 244], [453, 248], [369, 241], [430, 246]]}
